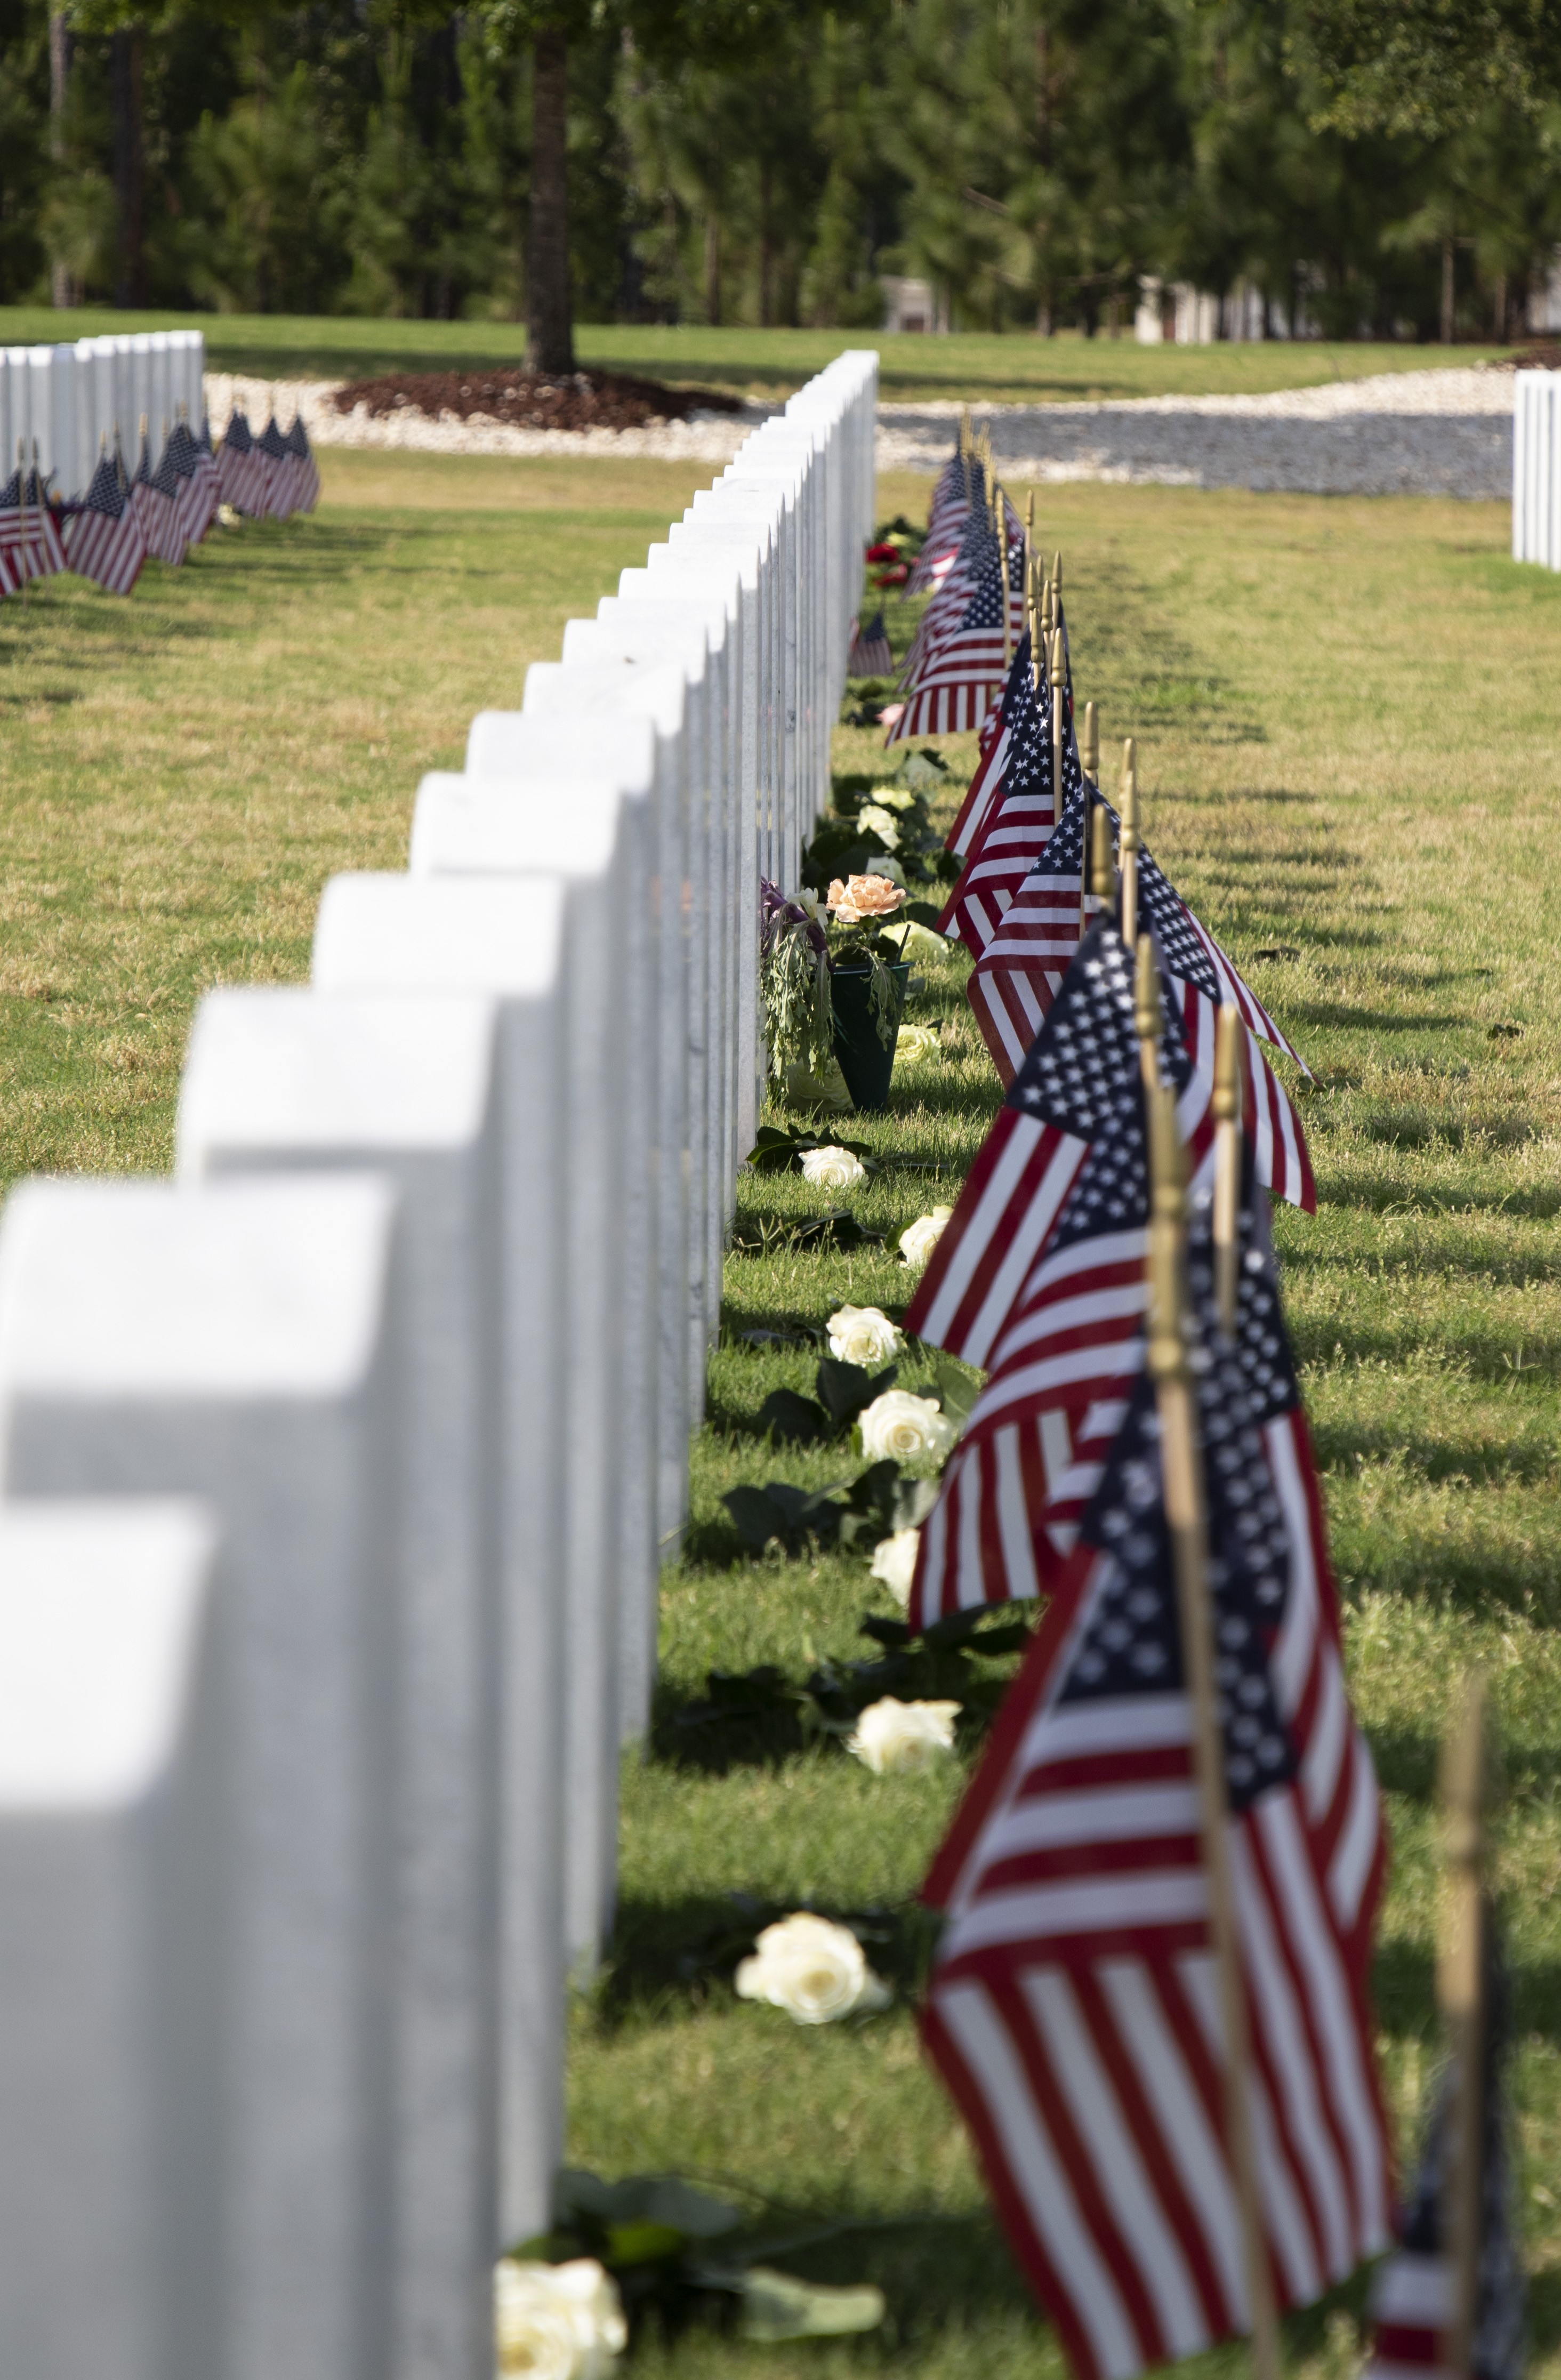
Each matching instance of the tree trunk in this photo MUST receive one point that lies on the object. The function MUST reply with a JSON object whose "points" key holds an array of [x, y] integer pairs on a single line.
{"points": [[712, 266], [63, 290], [129, 164], [766, 245], [1448, 291], [549, 337]]}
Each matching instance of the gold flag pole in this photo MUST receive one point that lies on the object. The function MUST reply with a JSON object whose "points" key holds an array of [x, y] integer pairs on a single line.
{"points": [[1102, 867], [1002, 574], [1229, 1047], [23, 557], [1182, 1471], [1145, 1005], [1127, 804], [1460, 1992], [1089, 747]]}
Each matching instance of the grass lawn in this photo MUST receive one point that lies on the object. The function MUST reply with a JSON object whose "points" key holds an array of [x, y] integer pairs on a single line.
{"points": [[1348, 714], [1016, 368]]}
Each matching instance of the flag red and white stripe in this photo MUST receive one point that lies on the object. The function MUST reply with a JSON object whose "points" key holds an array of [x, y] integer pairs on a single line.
{"points": [[1074, 2009]]}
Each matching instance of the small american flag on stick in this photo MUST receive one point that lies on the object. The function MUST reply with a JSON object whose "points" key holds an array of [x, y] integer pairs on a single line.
{"points": [[870, 654], [1141, 2000], [103, 541]]}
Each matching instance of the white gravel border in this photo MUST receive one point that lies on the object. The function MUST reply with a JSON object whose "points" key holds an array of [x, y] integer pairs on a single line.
{"points": [[1436, 433]]}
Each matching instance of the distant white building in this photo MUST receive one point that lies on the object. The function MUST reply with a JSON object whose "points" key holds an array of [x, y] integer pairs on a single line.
{"points": [[911, 305], [1175, 311]]}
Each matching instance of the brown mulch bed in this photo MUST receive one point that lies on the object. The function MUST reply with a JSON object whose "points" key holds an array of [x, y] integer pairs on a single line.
{"points": [[523, 400]]}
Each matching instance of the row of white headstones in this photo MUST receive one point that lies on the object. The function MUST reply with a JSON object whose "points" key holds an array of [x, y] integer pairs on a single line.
{"points": [[337, 1475], [65, 401]]}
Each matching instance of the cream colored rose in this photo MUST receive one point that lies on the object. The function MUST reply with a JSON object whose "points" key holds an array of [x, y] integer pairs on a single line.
{"points": [[895, 1739], [880, 823], [891, 869], [918, 1239], [832, 1168], [916, 1044], [912, 1430], [894, 1563], [864, 897], [812, 1969], [895, 797], [861, 1334], [557, 2322]]}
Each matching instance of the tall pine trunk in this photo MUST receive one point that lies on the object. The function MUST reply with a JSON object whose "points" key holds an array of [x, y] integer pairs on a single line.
{"points": [[129, 166], [62, 288], [549, 337]]}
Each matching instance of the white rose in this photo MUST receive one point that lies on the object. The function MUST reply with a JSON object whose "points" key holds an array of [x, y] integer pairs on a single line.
{"points": [[896, 797], [916, 1044], [916, 941], [832, 1168], [889, 868], [557, 2322], [918, 1239], [811, 903], [896, 1738], [813, 1970], [859, 1334], [880, 823], [894, 1563], [909, 1429]]}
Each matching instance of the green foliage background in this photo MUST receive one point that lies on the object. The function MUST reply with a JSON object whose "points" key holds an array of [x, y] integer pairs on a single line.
{"points": [[736, 163]]}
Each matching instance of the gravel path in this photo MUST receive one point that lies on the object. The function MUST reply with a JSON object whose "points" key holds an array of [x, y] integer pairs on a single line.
{"points": [[1399, 433]]}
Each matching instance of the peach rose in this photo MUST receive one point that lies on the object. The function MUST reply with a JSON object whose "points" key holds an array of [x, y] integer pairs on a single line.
{"points": [[864, 897]]}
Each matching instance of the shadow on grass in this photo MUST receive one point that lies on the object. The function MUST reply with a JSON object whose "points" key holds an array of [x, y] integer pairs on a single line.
{"points": [[1380, 1194], [1485, 1463], [670, 1955]]}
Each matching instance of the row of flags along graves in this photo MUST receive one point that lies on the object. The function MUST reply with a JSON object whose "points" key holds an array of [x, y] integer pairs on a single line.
{"points": [[107, 536], [1150, 1999]]}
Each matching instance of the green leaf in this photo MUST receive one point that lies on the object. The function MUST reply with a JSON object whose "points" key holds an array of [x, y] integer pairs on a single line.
{"points": [[795, 1421], [957, 1392], [642, 2243], [654, 2200], [776, 2307], [754, 1517], [846, 1389]]}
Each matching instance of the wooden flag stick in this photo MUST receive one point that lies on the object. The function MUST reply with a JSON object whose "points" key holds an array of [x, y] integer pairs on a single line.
{"points": [[1002, 525], [1127, 805], [1461, 1990], [1102, 867], [1182, 1470], [1089, 748], [23, 562], [1145, 1007], [1230, 1047]]}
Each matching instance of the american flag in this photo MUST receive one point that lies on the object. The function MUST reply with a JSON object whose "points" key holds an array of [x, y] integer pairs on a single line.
{"points": [[103, 541], [308, 472], [1017, 829], [1412, 2303], [1017, 975], [197, 498], [1014, 1494], [282, 476], [30, 538], [241, 473], [154, 499], [1071, 1344], [1069, 1090], [992, 761], [958, 582], [959, 485], [1074, 2009], [960, 674], [869, 654]]}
